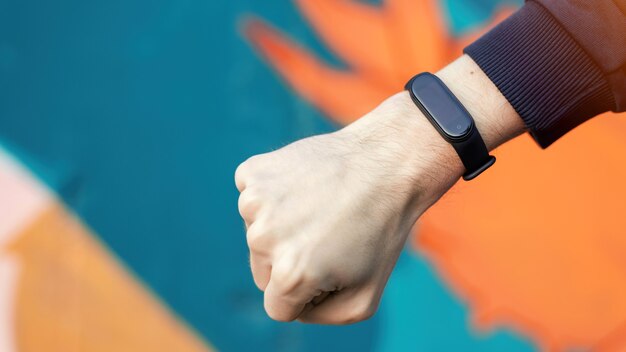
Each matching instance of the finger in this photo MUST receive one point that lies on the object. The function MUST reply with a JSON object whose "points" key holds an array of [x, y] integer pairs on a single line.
{"points": [[290, 289], [282, 306], [319, 299], [339, 308], [249, 203], [240, 176], [261, 270], [316, 300]]}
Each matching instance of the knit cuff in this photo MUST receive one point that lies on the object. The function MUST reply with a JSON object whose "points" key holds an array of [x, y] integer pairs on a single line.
{"points": [[552, 83]]}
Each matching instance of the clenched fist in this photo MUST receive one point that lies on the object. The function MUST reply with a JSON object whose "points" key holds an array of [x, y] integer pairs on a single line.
{"points": [[327, 216]]}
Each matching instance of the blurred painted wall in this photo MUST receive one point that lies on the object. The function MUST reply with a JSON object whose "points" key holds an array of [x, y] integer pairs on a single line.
{"points": [[121, 124]]}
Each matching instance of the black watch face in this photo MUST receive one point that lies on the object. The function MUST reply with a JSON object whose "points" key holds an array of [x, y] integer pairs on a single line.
{"points": [[444, 109]]}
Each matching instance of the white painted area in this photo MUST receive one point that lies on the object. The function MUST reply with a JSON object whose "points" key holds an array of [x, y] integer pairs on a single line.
{"points": [[22, 199], [9, 270]]}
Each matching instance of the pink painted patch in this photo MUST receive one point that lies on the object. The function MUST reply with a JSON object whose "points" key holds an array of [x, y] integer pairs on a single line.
{"points": [[22, 198]]}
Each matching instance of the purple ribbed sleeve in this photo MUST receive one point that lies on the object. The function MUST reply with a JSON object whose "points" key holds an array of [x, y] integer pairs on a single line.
{"points": [[546, 75]]}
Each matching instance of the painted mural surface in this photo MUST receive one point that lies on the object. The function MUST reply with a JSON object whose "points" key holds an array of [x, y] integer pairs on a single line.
{"points": [[121, 124]]}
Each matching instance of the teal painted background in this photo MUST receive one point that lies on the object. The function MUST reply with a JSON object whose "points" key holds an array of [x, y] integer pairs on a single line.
{"points": [[137, 114]]}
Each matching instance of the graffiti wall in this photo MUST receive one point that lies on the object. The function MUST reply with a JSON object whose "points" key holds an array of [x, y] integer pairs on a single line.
{"points": [[121, 125]]}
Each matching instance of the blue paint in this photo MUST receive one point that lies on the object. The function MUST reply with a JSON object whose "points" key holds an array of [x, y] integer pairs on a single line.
{"points": [[467, 15]]}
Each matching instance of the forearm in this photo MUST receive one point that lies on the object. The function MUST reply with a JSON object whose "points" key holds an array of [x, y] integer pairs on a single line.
{"points": [[495, 118], [400, 132]]}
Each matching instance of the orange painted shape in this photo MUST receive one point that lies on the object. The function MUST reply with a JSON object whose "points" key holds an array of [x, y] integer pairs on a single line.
{"points": [[540, 238], [382, 46], [358, 20], [311, 78], [22, 200], [417, 26], [72, 295]]}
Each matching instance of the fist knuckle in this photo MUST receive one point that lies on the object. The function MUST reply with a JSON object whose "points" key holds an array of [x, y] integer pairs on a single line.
{"points": [[241, 175], [254, 161], [249, 203], [244, 174], [258, 236], [282, 274], [244, 203], [313, 277], [287, 277]]}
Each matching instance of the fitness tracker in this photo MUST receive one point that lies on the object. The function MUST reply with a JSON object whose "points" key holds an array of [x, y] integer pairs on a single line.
{"points": [[452, 121]]}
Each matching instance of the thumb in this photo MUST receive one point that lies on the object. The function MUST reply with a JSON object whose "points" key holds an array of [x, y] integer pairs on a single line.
{"points": [[288, 292], [280, 306]]}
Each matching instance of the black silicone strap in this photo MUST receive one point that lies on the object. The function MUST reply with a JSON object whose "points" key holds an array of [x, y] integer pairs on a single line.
{"points": [[452, 121], [474, 155]]}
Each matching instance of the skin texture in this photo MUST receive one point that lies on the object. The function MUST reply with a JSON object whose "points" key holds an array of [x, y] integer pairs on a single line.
{"points": [[327, 216]]}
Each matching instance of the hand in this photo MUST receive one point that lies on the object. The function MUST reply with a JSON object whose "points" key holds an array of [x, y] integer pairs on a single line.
{"points": [[327, 216]]}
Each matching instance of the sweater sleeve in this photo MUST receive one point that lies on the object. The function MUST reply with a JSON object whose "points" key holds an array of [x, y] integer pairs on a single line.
{"points": [[558, 62]]}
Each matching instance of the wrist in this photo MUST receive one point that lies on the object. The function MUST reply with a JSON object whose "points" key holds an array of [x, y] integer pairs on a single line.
{"points": [[414, 155], [402, 140], [495, 118]]}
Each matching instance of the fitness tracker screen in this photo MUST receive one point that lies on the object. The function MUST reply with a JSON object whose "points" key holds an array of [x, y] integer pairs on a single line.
{"points": [[441, 107]]}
